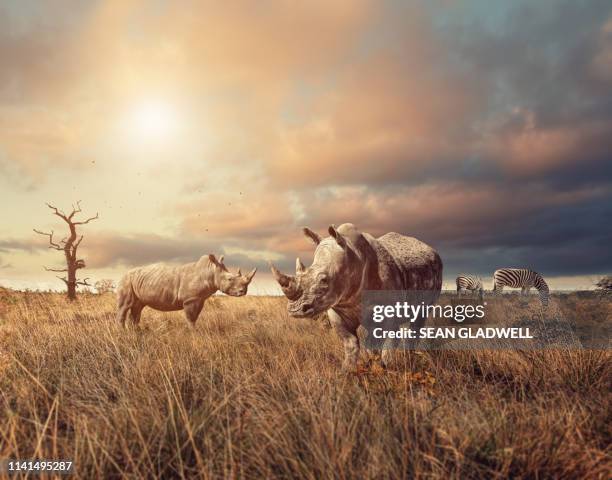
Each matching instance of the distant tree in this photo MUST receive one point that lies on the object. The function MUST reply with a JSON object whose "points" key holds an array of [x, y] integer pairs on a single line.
{"points": [[106, 285], [69, 245]]}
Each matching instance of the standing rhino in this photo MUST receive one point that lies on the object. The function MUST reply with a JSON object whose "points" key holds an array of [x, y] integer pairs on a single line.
{"points": [[348, 262], [185, 287]]}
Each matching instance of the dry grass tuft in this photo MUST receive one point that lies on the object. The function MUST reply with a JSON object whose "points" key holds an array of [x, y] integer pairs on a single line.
{"points": [[253, 394]]}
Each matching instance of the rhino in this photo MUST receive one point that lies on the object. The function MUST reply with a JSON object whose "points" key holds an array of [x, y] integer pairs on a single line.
{"points": [[171, 288], [347, 263]]}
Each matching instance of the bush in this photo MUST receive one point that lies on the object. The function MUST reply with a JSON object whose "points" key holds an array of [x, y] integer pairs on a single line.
{"points": [[105, 285]]}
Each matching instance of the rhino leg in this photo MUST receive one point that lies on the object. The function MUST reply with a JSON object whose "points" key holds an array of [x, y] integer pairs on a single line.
{"points": [[388, 347], [192, 310], [374, 355], [350, 340], [135, 312], [392, 344], [126, 301], [124, 304], [122, 314]]}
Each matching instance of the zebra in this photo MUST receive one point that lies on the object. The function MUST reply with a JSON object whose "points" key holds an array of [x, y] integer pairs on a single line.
{"points": [[522, 278], [469, 282]]}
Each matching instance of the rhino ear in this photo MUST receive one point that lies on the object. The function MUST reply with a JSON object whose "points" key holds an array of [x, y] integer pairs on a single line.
{"points": [[221, 258], [314, 237], [339, 238]]}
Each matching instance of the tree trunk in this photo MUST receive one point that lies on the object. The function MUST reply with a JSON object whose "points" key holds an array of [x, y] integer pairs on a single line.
{"points": [[69, 246], [71, 283]]}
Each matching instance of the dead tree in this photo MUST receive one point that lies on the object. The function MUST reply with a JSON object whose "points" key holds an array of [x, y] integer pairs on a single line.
{"points": [[69, 245]]}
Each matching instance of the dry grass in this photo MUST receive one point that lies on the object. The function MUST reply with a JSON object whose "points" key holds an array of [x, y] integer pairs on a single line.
{"points": [[253, 394]]}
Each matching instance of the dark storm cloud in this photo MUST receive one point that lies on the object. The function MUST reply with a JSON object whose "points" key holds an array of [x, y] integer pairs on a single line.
{"points": [[574, 240], [555, 232], [551, 61], [546, 71]]}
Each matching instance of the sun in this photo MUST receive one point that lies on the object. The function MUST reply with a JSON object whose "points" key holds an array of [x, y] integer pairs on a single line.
{"points": [[152, 121]]}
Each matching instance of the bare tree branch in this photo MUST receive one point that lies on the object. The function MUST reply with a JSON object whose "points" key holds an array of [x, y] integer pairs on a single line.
{"points": [[83, 282], [86, 221], [52, 244], [57, 212], [78, 242], [55, 269], [75, 210]]}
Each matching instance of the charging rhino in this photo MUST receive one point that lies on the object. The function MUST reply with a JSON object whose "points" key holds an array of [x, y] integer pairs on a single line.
{"points": [[184, 287], [349, 262]]}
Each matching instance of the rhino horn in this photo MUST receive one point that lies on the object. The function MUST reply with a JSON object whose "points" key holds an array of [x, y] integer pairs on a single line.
{"points": [[299, 266], [283, 280], [239, 272], [251, 274], [287, 283]]}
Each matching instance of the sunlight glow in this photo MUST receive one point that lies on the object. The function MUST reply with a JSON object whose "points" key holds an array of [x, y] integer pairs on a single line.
{"points": [[152, 121]]}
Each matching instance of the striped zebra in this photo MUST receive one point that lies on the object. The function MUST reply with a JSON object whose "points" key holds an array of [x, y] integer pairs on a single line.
{"points": [[522, 278], [469, 282]]}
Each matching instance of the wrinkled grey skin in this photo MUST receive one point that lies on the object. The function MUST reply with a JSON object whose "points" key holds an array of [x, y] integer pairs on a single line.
{"points": [[348, 262], [185, 287]]}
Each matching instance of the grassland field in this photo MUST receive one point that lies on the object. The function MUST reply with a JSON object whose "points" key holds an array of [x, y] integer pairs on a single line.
{"points": [[252, 393]]}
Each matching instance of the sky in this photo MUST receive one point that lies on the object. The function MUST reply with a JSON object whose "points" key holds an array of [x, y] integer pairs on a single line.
{"points": [[191, 127]]}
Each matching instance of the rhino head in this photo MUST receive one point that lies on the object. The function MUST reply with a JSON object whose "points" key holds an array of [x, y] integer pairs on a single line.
{"points": [[233, 284], [334, 273]]}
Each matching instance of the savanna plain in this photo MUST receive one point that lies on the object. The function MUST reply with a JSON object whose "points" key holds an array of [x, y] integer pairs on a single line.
{"points": [[252, 393]]}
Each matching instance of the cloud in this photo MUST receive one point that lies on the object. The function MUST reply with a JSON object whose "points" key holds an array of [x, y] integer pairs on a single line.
{"points": [[112, 249], [447, 215], [109, 249], [232, 214], [69, 71], [23, 244], [513, 103]]}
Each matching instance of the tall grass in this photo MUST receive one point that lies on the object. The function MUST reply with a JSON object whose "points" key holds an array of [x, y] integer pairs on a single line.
{"points": [[253, 394]]}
